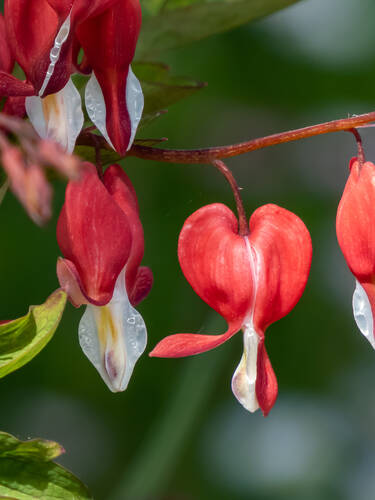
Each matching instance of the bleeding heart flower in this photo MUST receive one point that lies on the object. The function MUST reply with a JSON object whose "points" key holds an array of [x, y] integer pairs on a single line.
{"points": [[252, 281], [114, 98], [45, 37], [101, 237], [356, 237]]}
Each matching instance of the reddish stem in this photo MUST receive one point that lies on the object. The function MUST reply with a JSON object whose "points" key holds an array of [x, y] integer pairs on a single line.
{"points": [[361, 153], [208, 154], [243, 226]]}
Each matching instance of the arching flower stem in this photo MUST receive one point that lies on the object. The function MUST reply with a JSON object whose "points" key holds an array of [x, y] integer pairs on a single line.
{"points": [[361, 154], [243, 226], [207, 155]]}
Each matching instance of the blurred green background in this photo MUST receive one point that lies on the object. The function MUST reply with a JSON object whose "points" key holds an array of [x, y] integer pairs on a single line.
{"points": [[177, 433]]}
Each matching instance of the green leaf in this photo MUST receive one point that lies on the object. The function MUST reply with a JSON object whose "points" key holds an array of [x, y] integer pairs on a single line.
{"points": [[174, 23], [88, 154], [160, 88], [27, 473], [23, 338], [34, 449]]}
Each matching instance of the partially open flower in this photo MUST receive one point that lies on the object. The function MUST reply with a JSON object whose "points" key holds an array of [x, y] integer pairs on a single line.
{"points": [[356, 236], [252, 281], [101, 237]]}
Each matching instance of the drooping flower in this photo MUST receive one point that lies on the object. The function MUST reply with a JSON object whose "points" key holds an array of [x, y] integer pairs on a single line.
{"points": [[42, 35], [251, 281], [114, 98], [101, 237], [356, 236]]}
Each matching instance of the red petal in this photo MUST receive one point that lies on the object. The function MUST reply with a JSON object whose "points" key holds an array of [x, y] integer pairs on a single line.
{"points": [[355, 221], [122, 191], [6, 57], [187, 344], [266, 383], [109, 42], [283, 247], [215, 261], [80, 9], [93, 233], [142, 286], [31, 27], [15, 106], [11, 86], [70, 282]]}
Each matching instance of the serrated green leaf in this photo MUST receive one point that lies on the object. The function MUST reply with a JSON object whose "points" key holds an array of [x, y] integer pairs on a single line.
{"points": [[174, 23], [23, 338], [27, 473]]}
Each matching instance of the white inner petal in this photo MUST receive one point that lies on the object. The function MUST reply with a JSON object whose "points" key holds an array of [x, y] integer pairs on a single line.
{"points": [[113, 337], [57, 116], [95, 106], [245, 376], [54, 55], [363, 313], [96, 109], [134, 102]]}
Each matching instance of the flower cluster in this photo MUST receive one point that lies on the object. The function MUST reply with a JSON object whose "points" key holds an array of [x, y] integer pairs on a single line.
{"points": [[251, 279], [46, 38], [252, 274]]}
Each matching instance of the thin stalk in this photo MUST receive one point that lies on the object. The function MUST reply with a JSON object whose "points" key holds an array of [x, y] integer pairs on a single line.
{"points": [[243, 227], [361, 152]]}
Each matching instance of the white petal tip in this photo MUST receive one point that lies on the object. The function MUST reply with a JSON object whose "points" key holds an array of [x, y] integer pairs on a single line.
{"points": [[113, 337], [58, 116], [96, 107], [244, 378], [363, 313], [134, 102]]}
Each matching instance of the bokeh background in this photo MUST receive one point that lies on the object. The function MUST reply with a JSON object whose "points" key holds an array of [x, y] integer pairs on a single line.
{"points": [[177, 433]]}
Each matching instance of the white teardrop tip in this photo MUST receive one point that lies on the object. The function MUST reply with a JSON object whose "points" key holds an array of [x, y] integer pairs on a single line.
{"points": [[58, 117], [134, 102], [95, 106], [113, 337], [363, 313], [244, 378]]}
